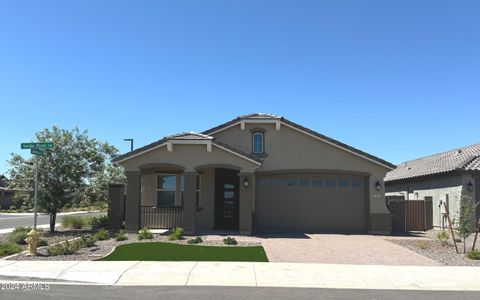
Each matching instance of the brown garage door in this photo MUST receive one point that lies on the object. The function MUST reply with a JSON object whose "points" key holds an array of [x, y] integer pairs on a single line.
{"points": [[311, 203]]}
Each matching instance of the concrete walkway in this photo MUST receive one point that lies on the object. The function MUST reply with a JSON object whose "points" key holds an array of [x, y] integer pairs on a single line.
{"points": [[248, 274]]}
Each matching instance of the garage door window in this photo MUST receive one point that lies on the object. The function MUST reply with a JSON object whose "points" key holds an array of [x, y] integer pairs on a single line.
{"points": [[278, 182], [291, 182], [304, 182], [316, 182], [343, 183], [356, 183], [265, 182], [331, 183]]}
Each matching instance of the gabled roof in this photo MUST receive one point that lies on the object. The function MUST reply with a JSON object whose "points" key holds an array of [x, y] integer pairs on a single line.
{"points": [[265, 116], [461, 159], [186, 136]]}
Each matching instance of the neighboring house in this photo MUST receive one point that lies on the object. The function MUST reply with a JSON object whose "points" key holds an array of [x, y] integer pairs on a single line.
{"points": [[446, 177], [6, 195], [258, 172]]}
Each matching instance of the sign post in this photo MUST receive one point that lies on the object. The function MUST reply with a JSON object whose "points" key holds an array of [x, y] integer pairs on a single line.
{"points": [[37, 149]]}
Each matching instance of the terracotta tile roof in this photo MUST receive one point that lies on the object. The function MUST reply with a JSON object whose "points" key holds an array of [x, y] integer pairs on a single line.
{"points": [[466, 158], [189, 136]]}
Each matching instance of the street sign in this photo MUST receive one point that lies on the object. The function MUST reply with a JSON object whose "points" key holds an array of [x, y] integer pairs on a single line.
{"points": [[36, 145], [38, 152]]}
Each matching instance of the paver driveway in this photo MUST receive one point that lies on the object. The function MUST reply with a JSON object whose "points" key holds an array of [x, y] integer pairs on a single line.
{"points": [[341, 249]]}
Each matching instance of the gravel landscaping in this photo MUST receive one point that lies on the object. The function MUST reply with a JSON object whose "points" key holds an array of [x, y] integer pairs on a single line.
{"points": [[431, 247], [102, 248]]}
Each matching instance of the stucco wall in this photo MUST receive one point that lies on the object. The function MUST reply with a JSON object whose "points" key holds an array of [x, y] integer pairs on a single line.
{"points": [[450, 187], [189, 157], [289, 149], [205, 217]]}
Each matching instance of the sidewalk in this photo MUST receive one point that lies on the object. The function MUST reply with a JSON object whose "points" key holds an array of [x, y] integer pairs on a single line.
{"points": [[248, 274]]}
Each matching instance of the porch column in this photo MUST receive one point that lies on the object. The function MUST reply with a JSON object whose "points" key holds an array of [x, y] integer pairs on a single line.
{"points": [[132, 205], [189, 205], [247, 198]]}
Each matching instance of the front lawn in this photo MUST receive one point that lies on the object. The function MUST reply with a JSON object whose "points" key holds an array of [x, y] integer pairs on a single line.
{"points": [[177, 252]]}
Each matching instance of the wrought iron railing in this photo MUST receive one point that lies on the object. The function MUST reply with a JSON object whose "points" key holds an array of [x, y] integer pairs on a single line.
{"points": [[161, 217]]}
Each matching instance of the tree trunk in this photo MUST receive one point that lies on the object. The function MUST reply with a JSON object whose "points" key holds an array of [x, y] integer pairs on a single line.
{"points": [[53, 218]]}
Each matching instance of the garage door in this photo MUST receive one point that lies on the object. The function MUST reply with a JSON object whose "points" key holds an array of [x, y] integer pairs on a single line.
{"points": [[311, 203]]}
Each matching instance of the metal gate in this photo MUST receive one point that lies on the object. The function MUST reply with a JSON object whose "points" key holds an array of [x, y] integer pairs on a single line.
{"points": [[410, 215]]}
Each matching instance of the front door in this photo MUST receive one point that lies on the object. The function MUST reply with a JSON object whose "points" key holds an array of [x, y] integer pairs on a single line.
{"points": [[226, 199]]}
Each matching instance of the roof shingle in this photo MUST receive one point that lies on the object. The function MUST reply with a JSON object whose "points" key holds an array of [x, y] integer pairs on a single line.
{"points": [[466, 158]]}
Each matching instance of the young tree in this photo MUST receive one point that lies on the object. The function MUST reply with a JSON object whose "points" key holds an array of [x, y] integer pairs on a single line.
{"points": [[466, 220], [70, 165]]}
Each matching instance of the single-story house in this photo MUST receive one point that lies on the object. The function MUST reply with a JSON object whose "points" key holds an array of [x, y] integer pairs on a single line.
{"points": [[447, 177], [257, 172], [6, 195]]}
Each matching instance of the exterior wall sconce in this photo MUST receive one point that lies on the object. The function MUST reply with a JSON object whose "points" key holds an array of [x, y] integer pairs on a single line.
{"points": [[245, 182], [469, 186], [378, 186]]}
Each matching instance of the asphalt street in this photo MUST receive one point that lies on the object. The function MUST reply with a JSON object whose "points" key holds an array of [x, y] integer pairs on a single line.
{"points": [[15, 220], [199, 293]]}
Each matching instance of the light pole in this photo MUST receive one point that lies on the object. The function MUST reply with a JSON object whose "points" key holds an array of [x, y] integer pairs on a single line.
{"points": [[131, 143]]}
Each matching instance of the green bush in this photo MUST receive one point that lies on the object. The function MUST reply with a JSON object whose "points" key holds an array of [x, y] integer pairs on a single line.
{"points": [[121, 236], [18, 235], [101, 235], [196, 240], [66, 248], [98, 222], [443, 237], [177, 234], [74, 222], [145, 234], [86, 241], [474, 254], [42, 242], [230, 241], [9, 249]]}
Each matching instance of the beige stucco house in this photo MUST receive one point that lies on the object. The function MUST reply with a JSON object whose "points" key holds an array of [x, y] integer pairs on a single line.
{"points": [[258, 172]]}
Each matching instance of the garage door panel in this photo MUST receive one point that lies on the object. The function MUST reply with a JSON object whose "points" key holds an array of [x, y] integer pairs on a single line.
{"points": [[304, 203]]}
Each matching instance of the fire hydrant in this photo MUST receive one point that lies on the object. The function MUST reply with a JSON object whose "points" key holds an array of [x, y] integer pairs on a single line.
{"points": [[32, 242]]}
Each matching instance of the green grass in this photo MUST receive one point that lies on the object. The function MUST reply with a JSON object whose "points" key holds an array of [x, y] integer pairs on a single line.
{"points": [[176, 252]]}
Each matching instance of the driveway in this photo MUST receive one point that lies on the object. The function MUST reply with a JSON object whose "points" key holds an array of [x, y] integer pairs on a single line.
{"points": [[341, 249]]}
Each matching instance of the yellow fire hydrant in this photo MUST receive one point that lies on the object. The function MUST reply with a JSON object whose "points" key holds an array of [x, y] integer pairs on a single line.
{"points": [[32, 242]]}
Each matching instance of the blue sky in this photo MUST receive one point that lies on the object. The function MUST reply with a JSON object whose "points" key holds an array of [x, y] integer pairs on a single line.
{"points": [[398, 79]]}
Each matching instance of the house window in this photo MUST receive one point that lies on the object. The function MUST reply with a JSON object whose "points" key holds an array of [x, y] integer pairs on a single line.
{"points": [[343, 183], [166, 189], [258, 143], [316, 182]]}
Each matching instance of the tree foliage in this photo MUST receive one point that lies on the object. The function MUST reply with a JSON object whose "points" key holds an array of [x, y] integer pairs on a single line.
{"points": [[466, 219], [76, 163]]}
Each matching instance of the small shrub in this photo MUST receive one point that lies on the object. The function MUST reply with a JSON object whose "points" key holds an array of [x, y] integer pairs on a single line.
{"points": [[230, 241], [474, 254], [196, 240], [74, 222], [18, 235], [98, 222], [176, 235], [101, 235], [145, 234], [9, 248], [121, 236], [66, 248], [422, 245], [86, 241], [443, 237], [13, 208], [42, 242]]}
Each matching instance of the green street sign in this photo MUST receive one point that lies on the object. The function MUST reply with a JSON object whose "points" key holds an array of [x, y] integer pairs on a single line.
{"points": [[36, 145], [38, 152]]}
